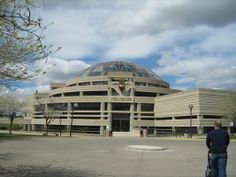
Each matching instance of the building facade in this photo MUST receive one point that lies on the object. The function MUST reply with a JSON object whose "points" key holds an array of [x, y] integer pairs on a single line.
{"points": [[124, 98], [208, 105], [114, 96]]}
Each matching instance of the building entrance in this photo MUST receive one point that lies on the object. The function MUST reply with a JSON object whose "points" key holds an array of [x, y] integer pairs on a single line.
{"points": [[120, 122]]}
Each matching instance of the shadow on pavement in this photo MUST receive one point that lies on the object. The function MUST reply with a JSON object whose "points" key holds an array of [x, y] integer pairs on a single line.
{"points": [[45, 171]]}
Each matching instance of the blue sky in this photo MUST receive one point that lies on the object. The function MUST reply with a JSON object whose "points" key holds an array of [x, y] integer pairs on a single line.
{"points": [[188, 43]]}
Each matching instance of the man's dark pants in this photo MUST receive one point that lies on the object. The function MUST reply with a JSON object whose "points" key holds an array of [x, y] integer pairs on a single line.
{"points": [[219, 162]]}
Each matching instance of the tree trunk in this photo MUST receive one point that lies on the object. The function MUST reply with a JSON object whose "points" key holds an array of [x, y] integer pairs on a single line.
{"points": [[11, 124], [46, 133]]}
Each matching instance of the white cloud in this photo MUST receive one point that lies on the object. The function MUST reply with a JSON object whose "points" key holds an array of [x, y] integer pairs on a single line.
{"points": [[56, 70], [204, 72], [133, 47], [195, 49], [109, 28], [59, 70]]}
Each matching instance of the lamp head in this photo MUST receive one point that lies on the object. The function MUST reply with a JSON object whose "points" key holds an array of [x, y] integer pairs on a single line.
{"points": [[190, 106]]}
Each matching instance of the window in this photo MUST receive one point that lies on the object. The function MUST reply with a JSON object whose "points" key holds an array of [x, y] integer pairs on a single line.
{"points": [[140, 83], [100, 83], [84, 83], [95, 93], [121, 106], [153, 85], [72, 85], [58, 106], [57, 95], [147, 107], [145, 94], [71, 94], [87, 106]]}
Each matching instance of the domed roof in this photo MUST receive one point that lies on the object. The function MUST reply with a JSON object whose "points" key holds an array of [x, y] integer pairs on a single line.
{"points": [[102, 69]]}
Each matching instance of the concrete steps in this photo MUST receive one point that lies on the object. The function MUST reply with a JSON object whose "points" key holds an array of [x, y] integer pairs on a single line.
{"points": [[125, 134]]}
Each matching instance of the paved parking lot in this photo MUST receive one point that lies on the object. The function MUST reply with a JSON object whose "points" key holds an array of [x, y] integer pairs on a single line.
{"points": [[105, 156]]}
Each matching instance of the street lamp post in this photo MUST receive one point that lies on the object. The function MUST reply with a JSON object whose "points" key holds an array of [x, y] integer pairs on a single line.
{"points": [[190, 109], [60, 121], [73, 105]]}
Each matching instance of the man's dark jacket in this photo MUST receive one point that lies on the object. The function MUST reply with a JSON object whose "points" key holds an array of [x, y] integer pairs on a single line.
{"points": [[217, 141]]}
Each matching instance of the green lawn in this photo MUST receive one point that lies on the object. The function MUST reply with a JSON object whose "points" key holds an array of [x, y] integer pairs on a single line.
{"points": [[233, 137], [7, 136], [13, 136]]}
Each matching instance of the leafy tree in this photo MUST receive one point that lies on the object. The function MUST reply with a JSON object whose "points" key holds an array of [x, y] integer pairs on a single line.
{"points": [[21, 45], [11, 105]]}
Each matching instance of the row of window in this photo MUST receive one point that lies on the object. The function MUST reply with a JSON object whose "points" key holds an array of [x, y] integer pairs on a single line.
{"points": [[89, 83], [145, 107], [105, 93], [149, 84], [106, 83]]}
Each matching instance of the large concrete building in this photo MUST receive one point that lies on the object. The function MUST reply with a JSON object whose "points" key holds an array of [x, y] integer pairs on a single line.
{"points": [[208, 105], [123, 98]]}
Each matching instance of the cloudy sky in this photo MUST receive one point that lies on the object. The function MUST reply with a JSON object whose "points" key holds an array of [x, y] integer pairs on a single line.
{"points": [[188, 43]]}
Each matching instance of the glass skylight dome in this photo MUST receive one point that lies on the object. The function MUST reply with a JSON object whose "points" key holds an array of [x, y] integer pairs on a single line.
{"points": [[102, 69]]}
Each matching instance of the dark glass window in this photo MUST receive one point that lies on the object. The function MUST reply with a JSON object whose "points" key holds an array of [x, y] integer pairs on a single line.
{"points": [[147, 107], [58, 106], [140, 83], [95, 93], [100, 83], [57, 95], [71, 94], [121, 106], [87, 106], [84, 83], [145, 94]]}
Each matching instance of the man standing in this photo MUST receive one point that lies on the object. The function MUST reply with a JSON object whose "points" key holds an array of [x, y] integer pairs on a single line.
{"points": [[217, 142]]}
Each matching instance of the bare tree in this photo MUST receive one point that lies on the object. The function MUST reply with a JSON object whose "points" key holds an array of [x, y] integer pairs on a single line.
{"points": [[230, 108], [49, 112], [11, 105], [21, 37]]}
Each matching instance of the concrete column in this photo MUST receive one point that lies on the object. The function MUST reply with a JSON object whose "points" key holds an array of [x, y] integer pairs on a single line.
{"points": [[109, 91], [68, 128], [68, 110], [139, 110], [199, 116], [155, 131], [109, 87], [109, 108], [173, 130], [131, 116], [200, 130], [132, 92], [102, 130], [46, 107], [28, 127], [102, 109], [81, 93]]}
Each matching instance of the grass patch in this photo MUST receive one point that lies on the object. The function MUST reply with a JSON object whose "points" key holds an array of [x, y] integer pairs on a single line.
{"points": [[5, 136], [14, 127], [233, 137]]}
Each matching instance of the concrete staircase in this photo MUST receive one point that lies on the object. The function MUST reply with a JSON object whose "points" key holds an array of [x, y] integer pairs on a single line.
{"points": [[126, 134]]}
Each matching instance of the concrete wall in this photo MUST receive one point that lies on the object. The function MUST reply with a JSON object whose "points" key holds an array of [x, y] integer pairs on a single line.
{"points": [[208, 105]]}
